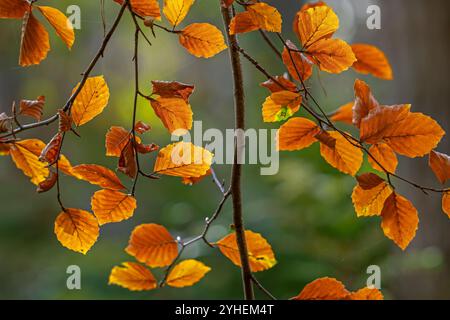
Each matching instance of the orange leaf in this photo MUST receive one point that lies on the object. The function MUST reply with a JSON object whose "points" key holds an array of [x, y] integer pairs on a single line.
{"points": [[369, 181], [193, 180], [132, 276], [331, 55], [323, 289], [176, 10], [98, 175], [13, 9], [35, 43], [25, 155], [142, 127], [306, 6], [371, 60], [127, 161], [187, 273], [446, 203], [183, 159], [32, 108], [153, 245], [48, 183], [60, 23], [364, 102], [314, 24], [112, 206], [116, 140], [440, 164], [400, 220], [65, 121], [367, 294], [91, 100], [202, 40], [344, 113], [76, 230], [282, 85], [341, 154], [257, 16], [370, 202], [281, 106], [175, 113], [261, 256], [297, 134], [172, 89], [296, 63], [385, 156], [144, 8], [51, 151], [4, 148]]}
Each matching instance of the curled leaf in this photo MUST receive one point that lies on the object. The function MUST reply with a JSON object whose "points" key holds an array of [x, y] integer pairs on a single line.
{"points": [[48, 183], [32, 108]]}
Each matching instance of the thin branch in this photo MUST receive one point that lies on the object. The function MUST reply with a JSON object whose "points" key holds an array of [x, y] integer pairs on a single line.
{"points": [[261, 287]]}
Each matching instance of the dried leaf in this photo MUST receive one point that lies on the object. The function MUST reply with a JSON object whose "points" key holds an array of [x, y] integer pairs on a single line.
{"points": [[144, 8], [440, 164], [364, 102], [35, 42], [297, 64], [261, 256], [133, 276], [369, 181], [297, 134], [33, 108], [173, 89], [65, 121], [51, 151], [13, 9], [187, 273], [142, 127], [116, 140], [153, 245], [281, 106], [76, 230], [48, 183], [5, 122], [370, 202], [112, 206], [323, 289], [60, 23], [202, 40], [282, 85], [98, 175], [385, 156], [257, 16], [127, 161], [371, 59], [176, 10]]}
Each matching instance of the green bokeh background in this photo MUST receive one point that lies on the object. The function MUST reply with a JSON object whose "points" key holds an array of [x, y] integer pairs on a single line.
{"points": [[304, 211]]}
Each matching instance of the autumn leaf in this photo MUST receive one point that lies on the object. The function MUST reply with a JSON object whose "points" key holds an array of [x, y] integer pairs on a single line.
{"points": [[132, 276], [323, 289], [32, 108], [98, 175], [296, 63], [364, 102], [153, 245], [65, 121], [176, 10], [35, 42], [127, 161], [344, 114], [297, 134], [51, 151], [194, 180], [141, 127], [183, 159], [175, 114], [314, 24], [371, 59], [60, 23], [91, 100], [308, 5], [281, 84], [172, 89], [111, 206], [116, 140], [144, 8], [25, 155], [76, 230], [440, 164], [446, 202], [281, 106], [340, 153], [367, 294], [261, 256], [369, 181], [48, 183], [385, 156], [257, 16], [202, 40], [369, 202], [331, 55], [400, 220], [13, 9], [187, 273]]}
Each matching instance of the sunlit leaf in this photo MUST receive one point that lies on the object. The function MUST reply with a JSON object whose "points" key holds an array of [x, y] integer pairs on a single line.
{"points": [[331, 55], [202, 40], [385, 156], [281, 106], [112, 206], [25, 155], [61, 23], [35, 42], [344, 114], [257, 16], [133, 276], [175, 114], [370, 202], [440, 164], [187, 273], [296, 63], [364, 102], [367, 294], [371, 59], [98, 175], [33, 108], [13, 9], [176, 10], [282, 84], [297, 134], [144, 8]]}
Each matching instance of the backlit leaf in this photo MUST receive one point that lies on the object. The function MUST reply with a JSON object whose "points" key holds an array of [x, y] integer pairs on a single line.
{"points": [[385, 156], [132, 276], [60, 22], [440, 164], [331, 55], [51, 151], [144, 8], [257, 16], [112, 206], [296, 63], [371, 59], [91, 100], [176, 10], [364, 102], [35, 42], [261, 256], [116, 140], [127, 161], [400, 220], [153, 245], [323, 289], [370, 202], [187, 273], [172, 89], [25, 155], [76, 230], [281, 106], [175, 114], [33, 108], [344, 114], [297, 134], [98, 175], [367, 294], [202, 40], [13, 9]]}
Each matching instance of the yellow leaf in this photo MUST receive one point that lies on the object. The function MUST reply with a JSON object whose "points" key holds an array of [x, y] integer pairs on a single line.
{"points": [[13, 9], [297, 134], [323, 289], [281, 106], [183, 159], [332, 55], [314, 24], [202, 40], [257, 16], [25, 155], [132, 276], [261, 256], [385, 156], [153, 245], [91, 100], [400, 220], [371, 60], [76, 230], [175, 113], [35, 42], [112, 206], [61, 23], [340, 153], [187, 273], [98, 175], [176, 10], [370, 202]]}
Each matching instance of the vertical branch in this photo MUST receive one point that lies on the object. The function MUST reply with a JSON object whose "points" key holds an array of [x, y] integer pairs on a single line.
{"points": [[237, 167]]}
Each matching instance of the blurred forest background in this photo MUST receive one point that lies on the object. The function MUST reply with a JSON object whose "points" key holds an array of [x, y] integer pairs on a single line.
{"points": [[305, 211]]}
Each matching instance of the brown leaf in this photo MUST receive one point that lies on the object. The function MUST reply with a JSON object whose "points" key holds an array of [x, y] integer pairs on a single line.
{"points": [[370, 202], [367, 294], [297, 64], [446, 202], [35, 42], [364, 102], [13, 9], [98, 175], [440, 164], [142, 127], [65, 121], [127, 161], [282, 85], [33, 108], [51, 151], [369, 181], [48, 183], [172, 89], [344, 114], [323, 289], [5, 122]]}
